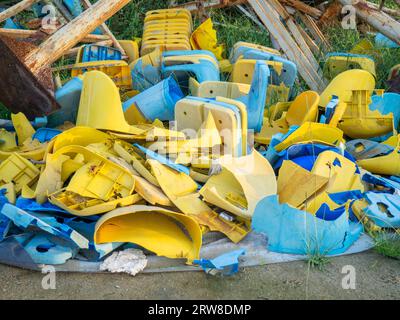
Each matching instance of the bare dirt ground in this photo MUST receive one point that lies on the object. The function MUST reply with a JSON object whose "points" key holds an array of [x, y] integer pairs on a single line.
{"points": [[377, 277]]}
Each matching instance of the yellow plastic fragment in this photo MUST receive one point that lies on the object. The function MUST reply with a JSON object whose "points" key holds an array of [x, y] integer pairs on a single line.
{"points": [[7, 140], [161, 231], [296, 184], [181, 189], [19, 171], [9, 191], [84, 206], [23, 127], [243, 180], [205, 38]]}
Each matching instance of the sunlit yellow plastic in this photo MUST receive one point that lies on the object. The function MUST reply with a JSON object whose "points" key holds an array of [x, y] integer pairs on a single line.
{"points": [[198, 175], [164, 232], [256, 46], [241, 183], [386, 165], [163, 25], [50, 179], [131, 49], [207, 137], [22, 126], [165, 45], [303, 109], [80, 135], [358, 121], [151, 193], [357, 208], [31, 149], [316, 132], [338, 64], [82, 206], [117, 70], [127, 152], [102, 180], [27, 192], [19, 171], [205, 38], [346, 82], [243, 69], [191, 114], [9, 191], [342, 176], [275, 111], [168, 15], [100, 105], [313, 203], [165, 38], [212, 89], [153, 58], [181, 189], [296, 184], [151, 31]]}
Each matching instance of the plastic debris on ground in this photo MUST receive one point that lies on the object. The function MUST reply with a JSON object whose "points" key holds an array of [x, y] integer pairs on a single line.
{"points": [[151, 154]]}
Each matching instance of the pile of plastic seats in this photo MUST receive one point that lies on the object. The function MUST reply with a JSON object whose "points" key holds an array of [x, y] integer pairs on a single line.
{"points": [[157, 151]]}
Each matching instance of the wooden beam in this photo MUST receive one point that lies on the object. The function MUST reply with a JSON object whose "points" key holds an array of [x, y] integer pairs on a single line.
{"points": [[72, 33], [379, 20], [24, 34], [209, 4], [12, 11], [315, 31], [278, 31], [106, 30], [302, 7]]}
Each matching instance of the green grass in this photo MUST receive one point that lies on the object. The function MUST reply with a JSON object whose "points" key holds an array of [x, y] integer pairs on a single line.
{"points": [[317, 261], [388, 244]]}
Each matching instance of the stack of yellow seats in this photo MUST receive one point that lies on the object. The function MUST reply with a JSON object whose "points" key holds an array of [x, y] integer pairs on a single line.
{"points": [[168, 29]]}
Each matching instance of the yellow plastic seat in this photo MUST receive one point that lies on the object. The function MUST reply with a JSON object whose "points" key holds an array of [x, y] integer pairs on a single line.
{"points": [[336, 64], [346, 82], [241, 183], [117, 70], [358, 121], [243, 70], [205, 38], [164, 232], [181, 189]]}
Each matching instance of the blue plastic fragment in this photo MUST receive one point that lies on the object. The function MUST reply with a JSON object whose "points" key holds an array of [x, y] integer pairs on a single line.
{"points": [[5, 223], [384, 42], [383, 209], [227, 264], [290, 230], [330, 110], [49, 224], [387, 103], [45, 134], [153, 155], [33, 206], [390, 184], [158, 101], [364, 149], [92, 52]]}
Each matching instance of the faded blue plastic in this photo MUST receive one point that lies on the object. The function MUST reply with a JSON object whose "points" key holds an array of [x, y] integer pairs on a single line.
{"points": [[383, 209], [5, 223], [235, 109], [205, 70], [290, 230], [255, 100], [49, 224], [45, 134], [384, 42], [158, 101], [173, 53], [387, 103], [144, 77], [46, 249], [289, 69], [371, 149], [226, 264], [92, 52], [68, 97], [153, 155]]}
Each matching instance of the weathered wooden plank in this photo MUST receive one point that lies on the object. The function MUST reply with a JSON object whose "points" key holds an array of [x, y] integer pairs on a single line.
{"points": [[278, 31], [70, 34], [379, 20], [12, 11], [302, 7]]}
